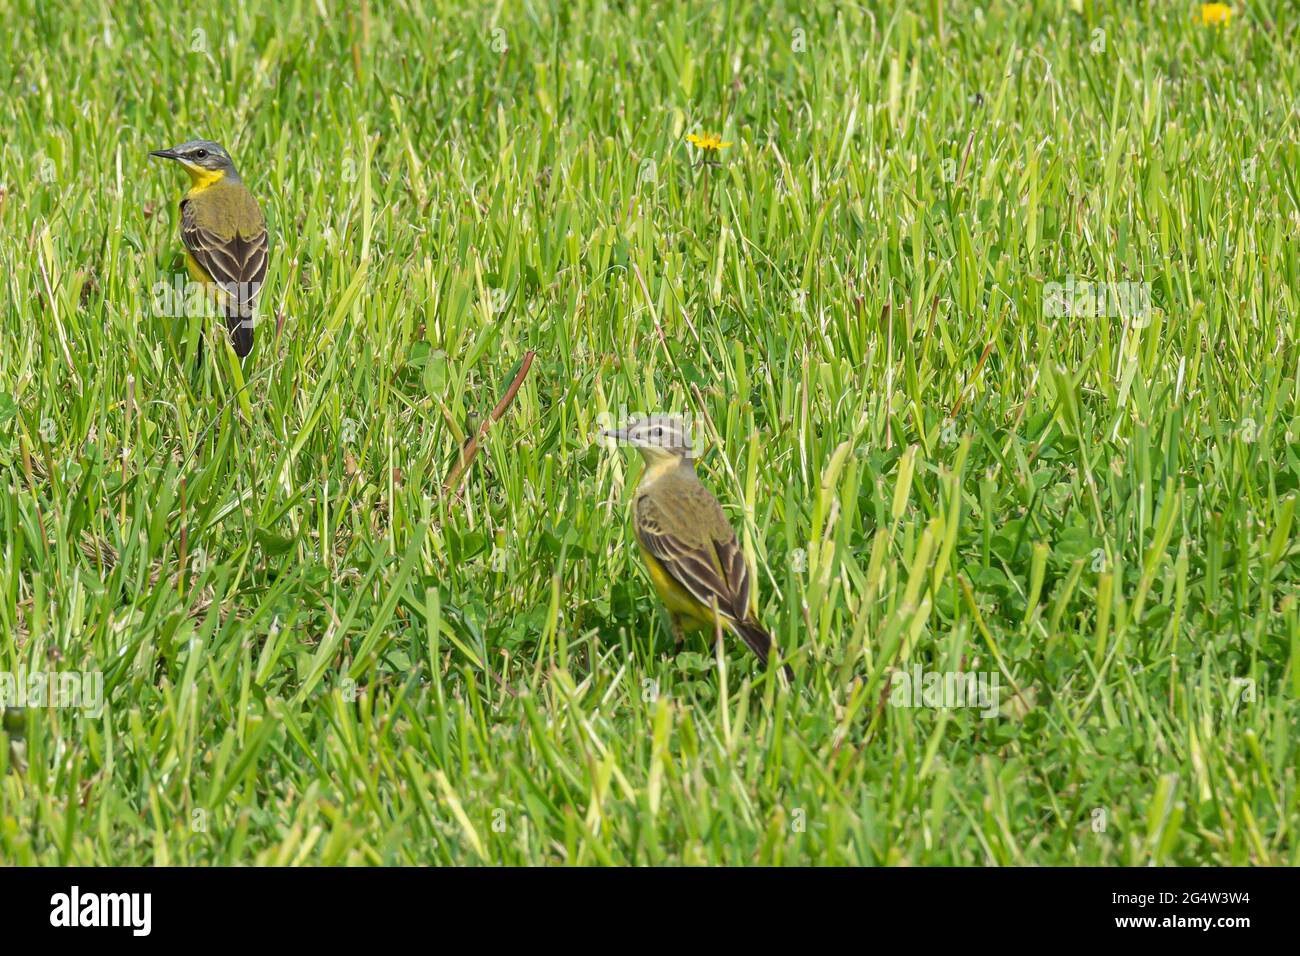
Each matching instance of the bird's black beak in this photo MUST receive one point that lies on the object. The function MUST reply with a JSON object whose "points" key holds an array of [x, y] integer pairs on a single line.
{"points": [[164, 153]]}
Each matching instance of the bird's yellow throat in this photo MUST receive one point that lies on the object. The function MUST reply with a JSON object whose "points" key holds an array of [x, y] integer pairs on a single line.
{"points": [[201, 179], [658, 468]]}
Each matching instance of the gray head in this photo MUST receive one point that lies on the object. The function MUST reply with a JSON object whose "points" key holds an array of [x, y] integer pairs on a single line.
{"points": [[200, 157], [657, 437]]}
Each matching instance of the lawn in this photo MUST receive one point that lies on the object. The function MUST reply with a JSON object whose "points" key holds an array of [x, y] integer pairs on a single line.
{"points": [[987, 318]]}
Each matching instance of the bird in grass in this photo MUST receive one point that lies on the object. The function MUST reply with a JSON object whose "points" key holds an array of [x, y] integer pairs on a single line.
{"points": [[690, 549], [224, 233]]}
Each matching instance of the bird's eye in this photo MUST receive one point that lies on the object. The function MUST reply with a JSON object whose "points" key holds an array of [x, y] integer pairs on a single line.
{"points": [[200, 154]]}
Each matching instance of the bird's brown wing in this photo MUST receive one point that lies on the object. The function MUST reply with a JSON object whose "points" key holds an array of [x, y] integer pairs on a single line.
{"points": [[704, 558], [236, 263], [695, 545]]}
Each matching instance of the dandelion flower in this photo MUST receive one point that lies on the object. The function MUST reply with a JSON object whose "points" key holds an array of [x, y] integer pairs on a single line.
{"points": [[709, 142], [1215, 14]]}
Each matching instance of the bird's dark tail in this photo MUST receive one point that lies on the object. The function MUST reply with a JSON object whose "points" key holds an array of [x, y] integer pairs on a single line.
{"points": [[759, 641], [241, 334]]}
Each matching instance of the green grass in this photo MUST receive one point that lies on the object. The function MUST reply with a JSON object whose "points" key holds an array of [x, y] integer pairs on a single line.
{"points": [[312, 655]]}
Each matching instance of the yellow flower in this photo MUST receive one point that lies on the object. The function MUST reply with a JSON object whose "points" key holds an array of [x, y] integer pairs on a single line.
{"points": [[709, 142], [1215, 14]]}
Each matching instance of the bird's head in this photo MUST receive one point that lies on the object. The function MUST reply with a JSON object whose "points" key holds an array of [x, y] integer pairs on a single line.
{"points": [[661, 439], [206, 162]]}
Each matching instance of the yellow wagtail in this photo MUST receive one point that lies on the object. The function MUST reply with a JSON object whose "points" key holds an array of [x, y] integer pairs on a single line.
{"points": [[224, 234], [694, 559]]}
